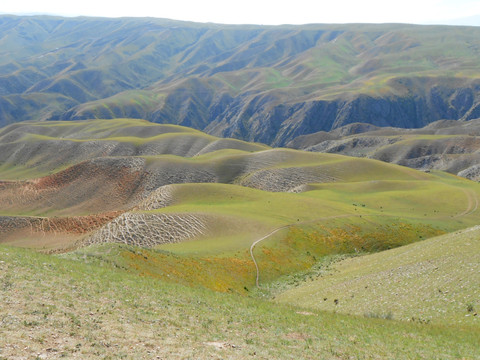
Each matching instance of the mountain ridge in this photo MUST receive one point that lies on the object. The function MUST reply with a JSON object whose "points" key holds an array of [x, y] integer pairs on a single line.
{"points": [[257, 83]]}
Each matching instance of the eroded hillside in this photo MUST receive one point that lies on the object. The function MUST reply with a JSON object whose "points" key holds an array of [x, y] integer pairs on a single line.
{"points": [[452, 146]]}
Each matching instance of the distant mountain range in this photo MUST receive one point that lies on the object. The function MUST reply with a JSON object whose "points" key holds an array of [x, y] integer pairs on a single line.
{"points": [[268, 84]]}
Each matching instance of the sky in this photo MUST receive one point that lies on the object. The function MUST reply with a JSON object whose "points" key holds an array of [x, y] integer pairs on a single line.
{"points": [[266, 12]]}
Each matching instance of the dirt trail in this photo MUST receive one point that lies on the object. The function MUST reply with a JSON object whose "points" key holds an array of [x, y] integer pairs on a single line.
{"points": [[259, 240], [472, 206]]}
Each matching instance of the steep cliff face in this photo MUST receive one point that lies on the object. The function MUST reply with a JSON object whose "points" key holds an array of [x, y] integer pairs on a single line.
{"points": [[275, 119], [264, 118]]}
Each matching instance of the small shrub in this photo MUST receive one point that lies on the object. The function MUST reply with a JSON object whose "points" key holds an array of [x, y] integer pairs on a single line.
{"points": [[7, 282], [420, 320], [374, 315]]}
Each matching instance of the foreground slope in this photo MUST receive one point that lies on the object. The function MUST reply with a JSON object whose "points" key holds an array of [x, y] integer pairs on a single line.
{"points": [[55, 308], [433, 280]]}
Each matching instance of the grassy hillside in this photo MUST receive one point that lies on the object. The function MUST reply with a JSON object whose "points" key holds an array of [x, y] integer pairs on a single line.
{"points": [[434, 280], [34, 149], [150, 218], [54, 308], [191, 198]]}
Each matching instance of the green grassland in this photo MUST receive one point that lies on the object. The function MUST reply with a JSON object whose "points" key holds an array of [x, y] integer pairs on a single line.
{"points": [[35, 149], [53, 308], [99, 129], [345, 205], [86, 130]]}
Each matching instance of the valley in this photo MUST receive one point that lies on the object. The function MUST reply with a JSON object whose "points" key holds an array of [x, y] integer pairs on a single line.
{"points": [[186, 190]]}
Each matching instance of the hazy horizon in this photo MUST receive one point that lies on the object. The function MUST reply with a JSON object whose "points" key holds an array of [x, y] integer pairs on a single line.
{"points": [[265, 12]]}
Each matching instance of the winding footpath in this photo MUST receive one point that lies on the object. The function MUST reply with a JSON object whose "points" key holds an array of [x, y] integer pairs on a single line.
{"points": [[256, 242], [472, 200]]}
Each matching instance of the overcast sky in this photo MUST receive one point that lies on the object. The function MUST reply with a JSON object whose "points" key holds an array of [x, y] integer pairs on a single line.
{"points": [[269, 12]]}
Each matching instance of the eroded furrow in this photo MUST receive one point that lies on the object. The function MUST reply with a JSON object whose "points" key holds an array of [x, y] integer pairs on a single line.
{"points": [[149, 230]]}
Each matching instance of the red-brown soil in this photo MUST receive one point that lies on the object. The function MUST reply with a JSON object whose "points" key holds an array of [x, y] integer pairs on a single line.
{"points": [[87, 188], [58, 210], [59, 233]]}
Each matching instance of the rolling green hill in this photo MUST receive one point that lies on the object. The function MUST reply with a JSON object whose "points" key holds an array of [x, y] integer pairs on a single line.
{"points": [[33, 149], [190, 198], [212, 226], [268, 84]]}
